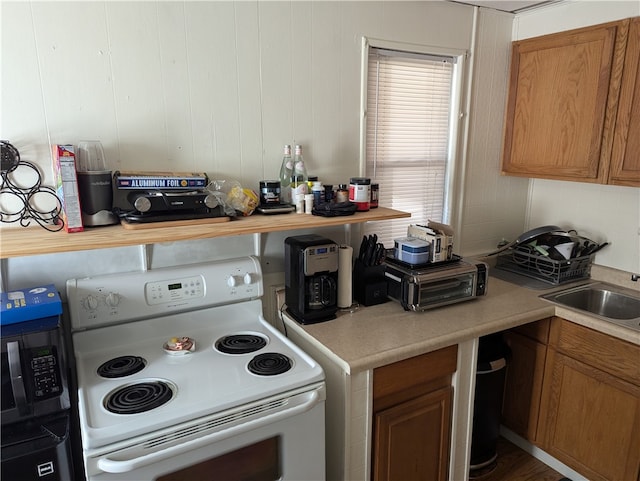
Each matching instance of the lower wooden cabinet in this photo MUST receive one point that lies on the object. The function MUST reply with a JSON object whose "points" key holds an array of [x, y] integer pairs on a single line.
{"points": [[575, 393], [412, 438], [412, 402], [523, 383], [592, 420], [590, 410]]}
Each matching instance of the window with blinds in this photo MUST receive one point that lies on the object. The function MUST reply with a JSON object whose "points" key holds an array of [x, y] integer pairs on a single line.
{"points": [[408, 134]]}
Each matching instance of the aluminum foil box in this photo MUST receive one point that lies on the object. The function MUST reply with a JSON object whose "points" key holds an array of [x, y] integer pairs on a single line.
{"points": [[29, 304]]}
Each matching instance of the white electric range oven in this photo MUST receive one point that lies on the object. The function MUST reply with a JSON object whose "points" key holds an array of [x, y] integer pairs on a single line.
{"points": [[181, 377]]}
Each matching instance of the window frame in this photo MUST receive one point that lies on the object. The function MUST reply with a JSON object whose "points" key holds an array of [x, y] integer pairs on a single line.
{"points": [[457, 126]]}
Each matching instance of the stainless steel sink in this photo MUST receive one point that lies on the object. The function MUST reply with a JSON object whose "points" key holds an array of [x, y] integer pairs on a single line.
{"points": [[605, 301]]}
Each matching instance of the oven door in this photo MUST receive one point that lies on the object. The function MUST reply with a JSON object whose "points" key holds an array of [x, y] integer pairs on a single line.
{"points": [[439, 292], [280, 438]]}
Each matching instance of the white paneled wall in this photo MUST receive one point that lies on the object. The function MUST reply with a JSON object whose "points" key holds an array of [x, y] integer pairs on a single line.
{"points": [[494, 205], [211, 86], [220, 86], [198, 86]]}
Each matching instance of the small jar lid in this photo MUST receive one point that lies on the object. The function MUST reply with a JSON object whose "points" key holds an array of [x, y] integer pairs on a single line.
{"points": [[360, 180]]}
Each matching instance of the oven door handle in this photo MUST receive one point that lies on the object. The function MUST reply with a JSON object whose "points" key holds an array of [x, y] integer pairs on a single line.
{"points": [[17, 379], [127, 465]]}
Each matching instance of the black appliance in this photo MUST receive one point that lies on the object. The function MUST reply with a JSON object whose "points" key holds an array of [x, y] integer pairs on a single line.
{"points": [[493, 354], [159, 206], [35, 437], [426, 286], [311, 278]]}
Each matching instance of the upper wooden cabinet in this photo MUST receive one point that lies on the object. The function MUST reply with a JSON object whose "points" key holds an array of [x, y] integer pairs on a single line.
{"points": [[566, 106], [625, 158]]}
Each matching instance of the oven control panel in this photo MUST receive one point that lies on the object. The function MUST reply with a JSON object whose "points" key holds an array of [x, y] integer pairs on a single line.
{"points": [[114, 298], [174, 290]]}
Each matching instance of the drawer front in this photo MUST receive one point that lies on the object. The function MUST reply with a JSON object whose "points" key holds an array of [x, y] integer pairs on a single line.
{"points": [[614, 356], [402, 376]]}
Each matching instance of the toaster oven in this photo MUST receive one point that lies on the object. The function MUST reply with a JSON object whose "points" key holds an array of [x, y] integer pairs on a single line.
{"points": [[419, 288]]}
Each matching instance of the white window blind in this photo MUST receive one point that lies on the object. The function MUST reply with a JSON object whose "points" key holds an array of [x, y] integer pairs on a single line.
{"points": [[409, 104]]}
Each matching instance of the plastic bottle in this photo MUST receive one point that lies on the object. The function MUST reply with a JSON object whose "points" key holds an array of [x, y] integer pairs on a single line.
{"points": [[318, 193], [299, 177], [286, 172], [342, 194], [360, 192], [312, 179]]}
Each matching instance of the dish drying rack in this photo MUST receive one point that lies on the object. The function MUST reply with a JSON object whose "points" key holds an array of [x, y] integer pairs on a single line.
{"points": [[544, 268]]}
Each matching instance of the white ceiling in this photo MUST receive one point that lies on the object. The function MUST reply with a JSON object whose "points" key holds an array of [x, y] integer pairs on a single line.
{"points": [[512, 6]]}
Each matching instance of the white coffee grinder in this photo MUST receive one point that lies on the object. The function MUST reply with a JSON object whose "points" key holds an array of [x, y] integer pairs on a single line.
{"points": [[94, 185]]}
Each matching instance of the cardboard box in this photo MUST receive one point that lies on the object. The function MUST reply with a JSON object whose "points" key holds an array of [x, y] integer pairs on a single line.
{"points": [[66, 181], [440, 236], [153, 180], [29, 304]]}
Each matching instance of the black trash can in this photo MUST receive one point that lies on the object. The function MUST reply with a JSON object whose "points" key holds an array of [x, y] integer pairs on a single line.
{"points": [[487, 406]]}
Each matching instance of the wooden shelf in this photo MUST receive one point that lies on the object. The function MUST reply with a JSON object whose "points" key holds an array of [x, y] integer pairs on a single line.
{"points": [[18, 242]]}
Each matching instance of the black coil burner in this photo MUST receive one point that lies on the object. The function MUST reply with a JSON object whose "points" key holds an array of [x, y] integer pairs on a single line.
{"points": [[269, 364], [121, 366], [240, 343], [138, 398]]}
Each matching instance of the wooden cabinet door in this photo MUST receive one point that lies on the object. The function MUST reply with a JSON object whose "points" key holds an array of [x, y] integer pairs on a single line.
{"points": [[625, 158], [523, 385], [590, 420], [562, 98], [411, 439]]}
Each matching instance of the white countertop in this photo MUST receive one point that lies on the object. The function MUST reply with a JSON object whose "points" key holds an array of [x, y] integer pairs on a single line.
{"points": [[378, 335]]}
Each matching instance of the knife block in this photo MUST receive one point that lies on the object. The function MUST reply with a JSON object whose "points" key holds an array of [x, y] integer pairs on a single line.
{"points": [[369, 284]]}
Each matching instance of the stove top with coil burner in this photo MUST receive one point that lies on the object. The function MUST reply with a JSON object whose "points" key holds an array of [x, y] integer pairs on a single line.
{"points": [[261, 362], [240, 343], [139, 397], [121, 366]]}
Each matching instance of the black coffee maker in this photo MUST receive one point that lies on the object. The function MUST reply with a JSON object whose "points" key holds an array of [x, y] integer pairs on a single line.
{"points": [[311, 278]]}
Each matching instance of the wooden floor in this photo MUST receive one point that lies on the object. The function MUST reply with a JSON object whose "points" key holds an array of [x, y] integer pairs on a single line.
{"points": [[514, 464]]}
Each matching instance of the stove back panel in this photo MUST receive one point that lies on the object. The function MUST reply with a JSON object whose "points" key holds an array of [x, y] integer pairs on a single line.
{"points": [[113, 299]]}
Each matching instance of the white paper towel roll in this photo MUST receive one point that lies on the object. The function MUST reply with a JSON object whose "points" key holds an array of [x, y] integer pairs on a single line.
{"points": [[345, 255]]}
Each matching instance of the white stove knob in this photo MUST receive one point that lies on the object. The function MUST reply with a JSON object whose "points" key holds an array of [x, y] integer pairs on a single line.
{"points": [[112, 299], [90, 303], [233, 281], [248, 278]]}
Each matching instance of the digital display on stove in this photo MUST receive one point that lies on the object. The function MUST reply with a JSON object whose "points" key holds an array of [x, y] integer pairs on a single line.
{"points": [[176, 289], [321, 250]]}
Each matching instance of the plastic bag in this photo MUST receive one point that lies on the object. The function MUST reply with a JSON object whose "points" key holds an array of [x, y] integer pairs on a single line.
{"points": [[233, 197], [334, 209]]}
